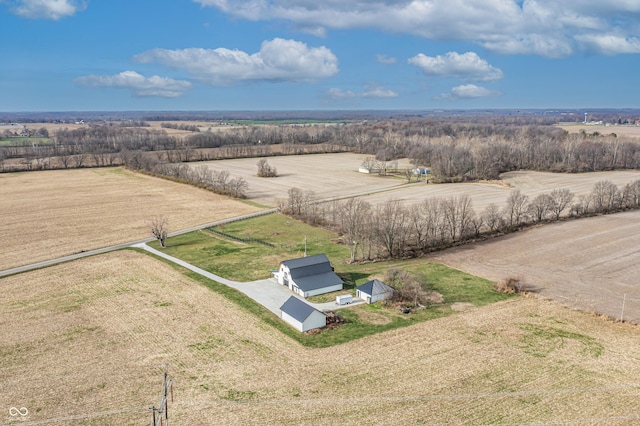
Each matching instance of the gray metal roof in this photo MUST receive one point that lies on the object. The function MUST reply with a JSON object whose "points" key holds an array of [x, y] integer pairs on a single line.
{"points": [[314, 282], [312, 272], [297, 308], [309, 262], [374, 287]]}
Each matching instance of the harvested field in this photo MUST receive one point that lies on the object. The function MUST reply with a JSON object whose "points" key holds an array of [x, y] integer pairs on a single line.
{"points": [[54, 213], [622, 130], [529, 182], [589, 264], [86, 342], [328, 175]]}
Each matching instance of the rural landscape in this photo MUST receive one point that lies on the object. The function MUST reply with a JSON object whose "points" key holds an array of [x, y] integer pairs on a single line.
{"points": [[515, 301]]}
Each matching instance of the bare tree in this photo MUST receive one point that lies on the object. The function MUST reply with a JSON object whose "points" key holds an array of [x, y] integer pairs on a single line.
{"points": [[604, 196], [391, 219], [516, 207], [540, 207], [559, 200], [630, 194], [493, 217], [353, 215], [295, 201], [159, 227], [457, 214], [265, 169], [369, 163]]}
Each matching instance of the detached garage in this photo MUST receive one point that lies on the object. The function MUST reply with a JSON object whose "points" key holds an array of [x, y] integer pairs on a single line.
{"points": [[374, 290], [302, 316]]}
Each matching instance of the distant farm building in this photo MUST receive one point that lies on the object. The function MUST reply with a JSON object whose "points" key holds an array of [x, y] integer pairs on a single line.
{"points": [[309, 276], [301, 315], [363, 169], [421, 171], [374, 290]]}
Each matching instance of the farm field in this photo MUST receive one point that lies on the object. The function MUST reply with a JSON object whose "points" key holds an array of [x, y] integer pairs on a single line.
{"points": [[590, 263], [626, 130], [528, 182], [54, 213], [328, 175], [336, 175], [85, 343]]}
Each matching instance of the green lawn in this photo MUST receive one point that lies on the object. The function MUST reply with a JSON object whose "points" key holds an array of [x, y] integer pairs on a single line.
{"points": [[24, 141], [251, 261]]}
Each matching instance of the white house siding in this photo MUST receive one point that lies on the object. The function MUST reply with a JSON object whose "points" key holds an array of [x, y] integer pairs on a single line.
{"points": [[316, 320], [322, 290], [372, 299], [380, 296], [292, 321]]}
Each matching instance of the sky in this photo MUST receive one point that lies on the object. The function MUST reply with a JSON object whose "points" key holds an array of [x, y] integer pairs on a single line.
{"points": [[211, 55]]}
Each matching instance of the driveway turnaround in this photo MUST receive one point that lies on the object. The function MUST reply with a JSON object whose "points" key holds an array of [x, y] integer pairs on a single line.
{"points": [[266, 292]]}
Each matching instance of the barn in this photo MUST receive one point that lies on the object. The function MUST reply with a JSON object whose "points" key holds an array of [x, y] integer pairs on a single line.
{"points": [[301, 315], [309, 276], [374, 290]]}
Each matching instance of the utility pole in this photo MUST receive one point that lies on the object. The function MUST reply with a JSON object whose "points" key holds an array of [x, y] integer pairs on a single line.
{"points": [[161, 413]]}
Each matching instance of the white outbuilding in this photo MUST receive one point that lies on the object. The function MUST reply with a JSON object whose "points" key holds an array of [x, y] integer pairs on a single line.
{"points": [[374, 290], [309, 276], [301, 315]]}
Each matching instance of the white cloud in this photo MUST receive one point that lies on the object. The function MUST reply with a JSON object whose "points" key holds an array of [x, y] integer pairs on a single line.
{"points": [[47, 9], [277, 60], [466, 66], [551, 28], [384, 59], [610, 44], [467, 91], [138, 84], [373, 91]]}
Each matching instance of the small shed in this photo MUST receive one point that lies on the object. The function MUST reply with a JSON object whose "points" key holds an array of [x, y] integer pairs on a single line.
{"points": [[301, 315], [374, 290]]}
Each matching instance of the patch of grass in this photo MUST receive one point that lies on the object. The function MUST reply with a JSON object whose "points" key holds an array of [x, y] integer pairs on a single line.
{"points": [[252, 261], [238, 396], [541, 340]]}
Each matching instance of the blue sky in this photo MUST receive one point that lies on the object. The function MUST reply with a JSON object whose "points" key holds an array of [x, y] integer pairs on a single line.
{"points": [[68, 55]]}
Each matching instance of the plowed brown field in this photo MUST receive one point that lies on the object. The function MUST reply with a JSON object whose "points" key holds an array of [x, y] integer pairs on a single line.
{"points": [[85, 343], [592, 264], [54, 213], [528, 182], [328, 175]]}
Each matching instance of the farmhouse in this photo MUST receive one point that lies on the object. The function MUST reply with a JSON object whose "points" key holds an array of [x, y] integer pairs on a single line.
{"points": [[309, 276], [374, 290], [301, 315]]}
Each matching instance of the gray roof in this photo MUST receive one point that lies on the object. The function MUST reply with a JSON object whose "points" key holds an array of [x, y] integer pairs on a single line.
{"points": [[314, 282], [310, 263], [297, 308], [312, 272], [374, 287]]}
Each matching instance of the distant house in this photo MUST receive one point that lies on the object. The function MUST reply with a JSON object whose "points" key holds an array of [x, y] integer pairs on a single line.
{"points": [[374, 290], [309, 276], [301, 315]]}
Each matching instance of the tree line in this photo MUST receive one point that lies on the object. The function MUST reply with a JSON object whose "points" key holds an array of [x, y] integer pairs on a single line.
{"points": [[394, 230]]}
